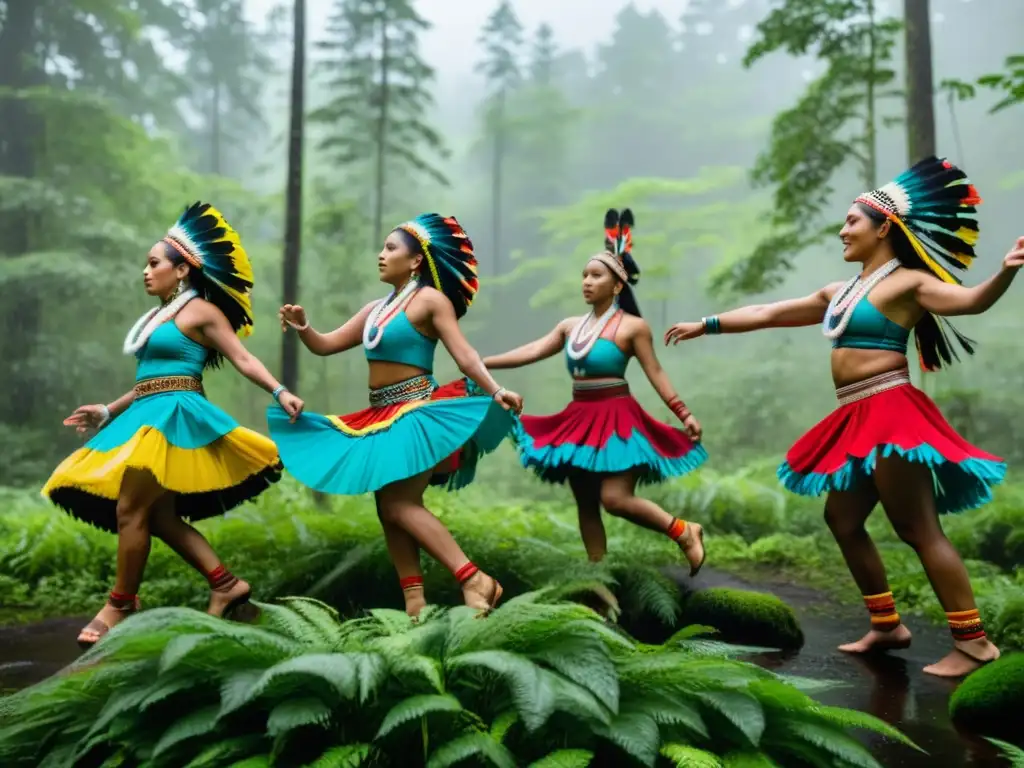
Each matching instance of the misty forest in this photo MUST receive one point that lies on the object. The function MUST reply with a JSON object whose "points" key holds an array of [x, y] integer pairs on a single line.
{"points": [[738, 132]]}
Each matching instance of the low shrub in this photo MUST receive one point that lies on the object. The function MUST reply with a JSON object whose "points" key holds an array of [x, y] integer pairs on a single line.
{"points": [[538, 682], [991, 700], [745, 617]]}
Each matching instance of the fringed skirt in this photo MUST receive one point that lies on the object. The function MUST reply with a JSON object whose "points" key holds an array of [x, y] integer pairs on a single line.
{"points": [[886, 416], [192, 448], [604, 430], [410, 427]]}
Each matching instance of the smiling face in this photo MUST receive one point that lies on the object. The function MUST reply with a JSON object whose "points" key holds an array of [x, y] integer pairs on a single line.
{"points": [[599, 284], [161, 276], [398, 259], [861, 235]]}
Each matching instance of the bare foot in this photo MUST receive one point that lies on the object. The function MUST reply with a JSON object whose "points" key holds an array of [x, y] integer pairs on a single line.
{"points": [[964, 658], [876, 641], [108, 618], [481, 592], [223, 601], [414, 603], [692, 545]]}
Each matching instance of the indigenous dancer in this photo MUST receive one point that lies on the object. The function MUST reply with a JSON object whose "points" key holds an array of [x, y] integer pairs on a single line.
{"points": [[163, 451], [603, 442], [887, 441], [414, 433]]}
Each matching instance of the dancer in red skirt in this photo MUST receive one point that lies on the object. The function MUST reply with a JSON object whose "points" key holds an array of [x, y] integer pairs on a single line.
{"points": [[887, 441], [604, 443]]}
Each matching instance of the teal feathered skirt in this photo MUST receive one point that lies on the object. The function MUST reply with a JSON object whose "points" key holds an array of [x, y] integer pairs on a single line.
{"points": [[410, 427]]}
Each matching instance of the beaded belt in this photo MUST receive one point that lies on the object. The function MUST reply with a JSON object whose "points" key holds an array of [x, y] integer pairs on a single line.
{"points": [[851, 393], [161, 384], [416, 388], [598, 389]]}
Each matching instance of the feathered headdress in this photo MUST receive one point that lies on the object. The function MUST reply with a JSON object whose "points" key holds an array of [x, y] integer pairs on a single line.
{"points": [[208, 243], [618, 244], [448, 253], [935, 205]]}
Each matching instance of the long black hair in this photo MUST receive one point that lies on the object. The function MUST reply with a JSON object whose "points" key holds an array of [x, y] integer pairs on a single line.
{"points": [[933, 345], [206, 290]]}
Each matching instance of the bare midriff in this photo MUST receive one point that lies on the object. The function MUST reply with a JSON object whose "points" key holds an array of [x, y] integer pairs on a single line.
{"points": [[384, 374]]}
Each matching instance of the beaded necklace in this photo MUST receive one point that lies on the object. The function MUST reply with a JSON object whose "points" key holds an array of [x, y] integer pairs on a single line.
{"points": [[849, 296], [391, 304], [582, 339], [149, 322]]}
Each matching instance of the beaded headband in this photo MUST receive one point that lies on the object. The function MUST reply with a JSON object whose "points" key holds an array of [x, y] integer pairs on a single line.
{"points": [[613, 263]]}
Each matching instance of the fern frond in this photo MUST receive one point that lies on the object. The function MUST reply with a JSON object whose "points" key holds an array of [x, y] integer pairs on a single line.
{"points": [[297, 713], [416, 707], [349, 756], [565, 758], [470, 745], [197, 723], [683, 756]]}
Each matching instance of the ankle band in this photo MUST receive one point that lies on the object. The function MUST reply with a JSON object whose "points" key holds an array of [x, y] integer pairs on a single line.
{"points": [[676, 529], [883, 611], [966, 625], [411, 582], [221, 578], [465, 573], [122, 602]]}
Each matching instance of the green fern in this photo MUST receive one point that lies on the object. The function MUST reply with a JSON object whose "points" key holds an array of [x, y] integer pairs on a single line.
{"points": [[1013, 753], [565, 758], [683, 756], [414, 708]]}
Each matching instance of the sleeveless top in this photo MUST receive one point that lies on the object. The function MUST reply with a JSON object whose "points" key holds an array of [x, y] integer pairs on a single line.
{"points": [[169, 352], [870, 329], [402, 343], [605, 360]]}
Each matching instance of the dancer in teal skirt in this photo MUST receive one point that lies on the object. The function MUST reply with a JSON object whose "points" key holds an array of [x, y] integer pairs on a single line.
{"points": [[415, 433]]}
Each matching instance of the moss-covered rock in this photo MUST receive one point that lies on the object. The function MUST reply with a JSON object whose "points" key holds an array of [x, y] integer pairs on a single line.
{"points": [[991, 700], [751, 618]]}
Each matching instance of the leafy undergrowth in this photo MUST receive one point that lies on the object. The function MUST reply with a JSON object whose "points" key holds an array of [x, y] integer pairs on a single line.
{"points": [[286, 545], [540, 682]]}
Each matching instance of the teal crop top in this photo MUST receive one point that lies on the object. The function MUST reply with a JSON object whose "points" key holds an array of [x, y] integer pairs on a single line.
{"points": [[402, 343], [169, 352], [604, 361], [870, 329]]}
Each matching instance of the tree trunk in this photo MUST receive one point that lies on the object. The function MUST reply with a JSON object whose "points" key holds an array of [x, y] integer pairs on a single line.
{"points": [[382, 134], [498, 115], [293, 213], [215, 129], [870, 128], [920, 88], [20, 316]]}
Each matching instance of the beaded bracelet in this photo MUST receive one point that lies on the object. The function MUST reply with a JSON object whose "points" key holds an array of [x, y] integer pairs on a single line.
{"points": [[712, 325], [277, 392], [678, 407], [498, 393]]}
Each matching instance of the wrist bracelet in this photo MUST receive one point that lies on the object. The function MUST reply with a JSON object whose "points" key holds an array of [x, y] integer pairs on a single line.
{"points": [[712, 325], [498, 392], [105, 419], [678, 407], [277, 392], [299, 328]]}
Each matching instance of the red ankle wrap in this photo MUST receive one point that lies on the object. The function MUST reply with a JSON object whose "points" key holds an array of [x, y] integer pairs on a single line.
{"points": [[121, 601], [966, 625], [676, 529], [883, 611], [221, 578], [465, 573], [411, 582]]}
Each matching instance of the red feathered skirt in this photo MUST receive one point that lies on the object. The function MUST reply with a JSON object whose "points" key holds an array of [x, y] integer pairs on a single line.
{"points": [[606, 431], [884, 416]]}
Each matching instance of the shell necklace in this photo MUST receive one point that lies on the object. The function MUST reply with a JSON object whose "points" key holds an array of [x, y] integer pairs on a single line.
{"points": [[582, 339], [392, 304], [149, 322], [849, 296]]}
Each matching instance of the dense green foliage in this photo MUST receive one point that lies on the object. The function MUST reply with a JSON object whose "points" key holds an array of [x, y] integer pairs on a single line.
{"points": [[536, 683], [286, 545], [745, 617]]}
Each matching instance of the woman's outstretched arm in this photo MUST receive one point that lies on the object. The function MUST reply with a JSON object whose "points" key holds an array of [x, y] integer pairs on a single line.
{"points": [[643, 348], [949, 299], [539, 349], [339, 340], [791, 313]]}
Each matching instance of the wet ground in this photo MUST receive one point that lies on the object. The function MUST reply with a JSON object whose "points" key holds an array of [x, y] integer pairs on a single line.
{"points": [[891, 687]]}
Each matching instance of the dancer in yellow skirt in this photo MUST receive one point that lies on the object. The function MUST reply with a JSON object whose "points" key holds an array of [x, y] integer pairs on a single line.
{"points": [[163, 452]]}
